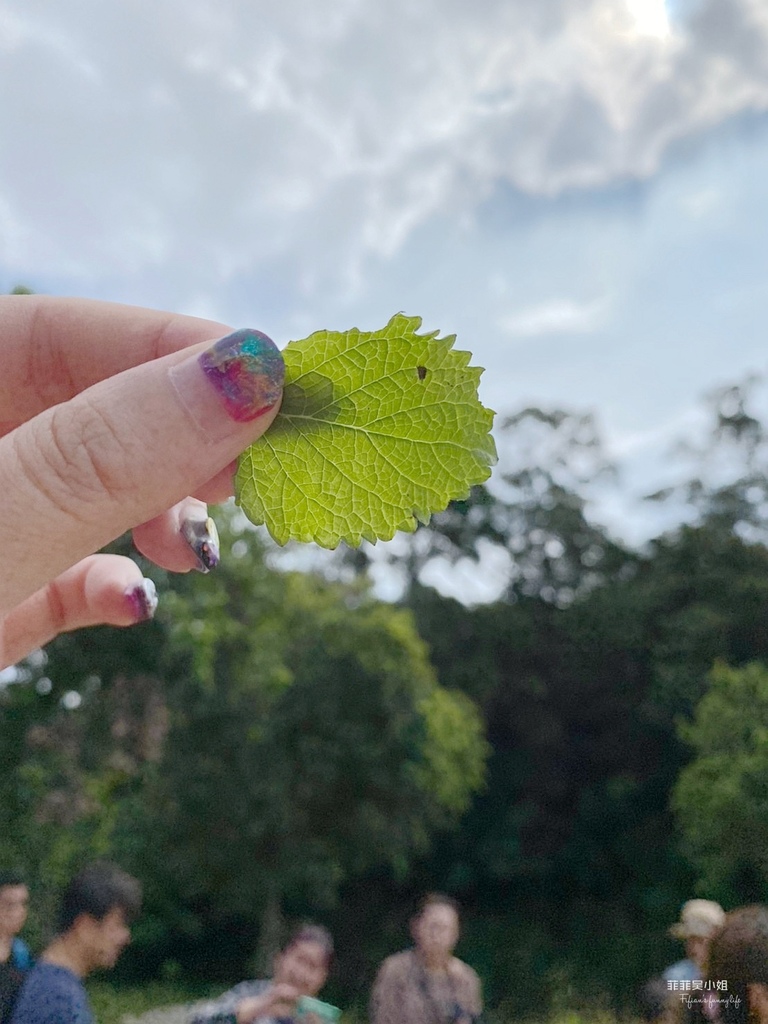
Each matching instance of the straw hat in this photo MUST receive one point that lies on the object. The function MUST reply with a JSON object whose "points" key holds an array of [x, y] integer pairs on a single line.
{"points": [[699, 919]]}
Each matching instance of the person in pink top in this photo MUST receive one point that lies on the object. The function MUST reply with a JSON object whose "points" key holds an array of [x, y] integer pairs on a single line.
{"points": [[428, 984]]}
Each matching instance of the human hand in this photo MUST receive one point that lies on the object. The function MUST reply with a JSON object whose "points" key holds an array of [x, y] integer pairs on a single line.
{"points": [[114, 418], [280, 994]]}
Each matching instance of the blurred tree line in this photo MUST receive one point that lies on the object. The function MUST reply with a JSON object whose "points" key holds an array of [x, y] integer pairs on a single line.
{"points": [[572, 760]]}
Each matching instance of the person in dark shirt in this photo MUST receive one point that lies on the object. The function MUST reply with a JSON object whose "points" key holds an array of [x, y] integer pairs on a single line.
{"points": [[96, 909], [14, 898]]}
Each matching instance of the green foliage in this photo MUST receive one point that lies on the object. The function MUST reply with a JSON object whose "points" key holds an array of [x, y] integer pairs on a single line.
{"points": [[266, 738], [377, 431], [453, 768], [581, 705], [721, 796], [311, 744], [54, 811]]}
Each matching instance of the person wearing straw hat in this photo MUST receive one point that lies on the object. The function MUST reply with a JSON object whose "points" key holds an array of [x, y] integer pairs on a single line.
{"points": [[699, 921]]}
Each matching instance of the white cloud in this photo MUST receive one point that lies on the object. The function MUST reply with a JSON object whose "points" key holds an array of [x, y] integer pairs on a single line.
{"points": [[558, 316], [650, 17], [215, 139]]}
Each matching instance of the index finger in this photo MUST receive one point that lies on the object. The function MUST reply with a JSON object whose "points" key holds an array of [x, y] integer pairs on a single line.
{"points": [[52, 349]]}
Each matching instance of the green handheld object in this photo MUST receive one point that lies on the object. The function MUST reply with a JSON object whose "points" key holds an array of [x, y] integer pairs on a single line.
{"points": [[323, 1011]]}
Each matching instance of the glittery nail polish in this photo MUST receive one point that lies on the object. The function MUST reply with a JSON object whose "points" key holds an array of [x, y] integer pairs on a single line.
{"points": [[142, 599], [232, 383], [247, 370], [203, 537]]}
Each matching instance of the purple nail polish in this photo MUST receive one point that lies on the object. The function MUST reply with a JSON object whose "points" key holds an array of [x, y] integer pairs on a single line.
{"points": [[143, 600], [247, 370], [203, 537]]}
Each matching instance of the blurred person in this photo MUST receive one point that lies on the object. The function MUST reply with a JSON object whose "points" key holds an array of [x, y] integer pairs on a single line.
{"points": [[94, 916], [656, 1004], [738, 960], [300, 969], [699, 920], [15, 959], [14, 900], [427, 984]]}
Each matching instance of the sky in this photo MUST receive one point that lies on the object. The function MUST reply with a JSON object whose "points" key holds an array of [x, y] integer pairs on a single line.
{"points": [[576, 188]]}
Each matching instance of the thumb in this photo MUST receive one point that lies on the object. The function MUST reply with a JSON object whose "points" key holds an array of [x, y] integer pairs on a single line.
{"points": [[83, 472]]}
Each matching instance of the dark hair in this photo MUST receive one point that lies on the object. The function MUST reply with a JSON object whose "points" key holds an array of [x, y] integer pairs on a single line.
{"points": [[312, 933], [10, 877], [436, 899], [654, 999], [96, 890], [738, 955]]}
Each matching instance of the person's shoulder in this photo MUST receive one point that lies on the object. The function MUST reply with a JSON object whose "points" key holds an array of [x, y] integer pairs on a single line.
{"points": [[50, 977], [399, 961], [463, 970], [55, 973], [253, 987], [52, 994], [45, 978], [466, 977], [396, 965], [682, 970]]}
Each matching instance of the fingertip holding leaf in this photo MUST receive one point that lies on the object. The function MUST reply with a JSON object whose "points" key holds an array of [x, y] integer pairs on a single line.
{"points": [[377, 431]]}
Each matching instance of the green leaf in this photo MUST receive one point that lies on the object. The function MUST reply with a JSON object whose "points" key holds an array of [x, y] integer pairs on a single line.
{"points": [[377, 431]]}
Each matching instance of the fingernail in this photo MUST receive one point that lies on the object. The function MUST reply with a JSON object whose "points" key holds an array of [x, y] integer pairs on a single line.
{"points": [[203, 537], [142, 599], [242, 375], [247, 370]]}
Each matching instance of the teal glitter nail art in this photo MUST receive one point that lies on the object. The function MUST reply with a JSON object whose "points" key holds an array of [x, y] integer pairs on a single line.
{"points": [[247, 370]]}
